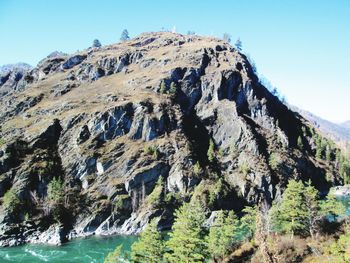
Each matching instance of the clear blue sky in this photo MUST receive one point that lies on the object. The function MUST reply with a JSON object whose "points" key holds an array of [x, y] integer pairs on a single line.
{"points": [[302, 47]]}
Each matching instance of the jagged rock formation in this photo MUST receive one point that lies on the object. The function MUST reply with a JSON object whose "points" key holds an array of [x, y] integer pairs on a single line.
{"points": [[100, 121]]}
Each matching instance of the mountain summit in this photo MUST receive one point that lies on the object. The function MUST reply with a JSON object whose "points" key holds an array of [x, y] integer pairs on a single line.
{"points": [[103, 140]]}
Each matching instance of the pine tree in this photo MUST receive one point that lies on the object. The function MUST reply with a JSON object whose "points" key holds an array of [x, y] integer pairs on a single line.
{"points": [[162, 89], [312, 206], [55, 191], [173, 90], [300, 143], [150, 246], [187, 239], [293, 214], [211, 151], [247, 222], [238, 44], [124, 36], [332, 206], [114, 256], [227, 37], [96, 43], [222, 234], [328, 153], [339, 251]]}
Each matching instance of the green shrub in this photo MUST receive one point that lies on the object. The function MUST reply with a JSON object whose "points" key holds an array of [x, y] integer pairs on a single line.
{"points": [[151, 150], [197, 169], [155, 198], [211, 151], [173, 90], [55, 191], [119, 205], [244, 169], [300, 143], [275, 161], [11, 201], [162, 87]]}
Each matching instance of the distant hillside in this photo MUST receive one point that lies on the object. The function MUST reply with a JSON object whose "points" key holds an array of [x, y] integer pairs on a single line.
{"points": [[346, 124], [338, 132]]}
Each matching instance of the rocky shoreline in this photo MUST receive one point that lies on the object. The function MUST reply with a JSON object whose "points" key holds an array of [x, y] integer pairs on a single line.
{"points": [[56, 234], [341, 191]]}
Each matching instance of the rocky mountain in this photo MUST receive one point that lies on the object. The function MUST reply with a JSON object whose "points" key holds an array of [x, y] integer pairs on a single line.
{"points": [[10, 76], [134, 129]]}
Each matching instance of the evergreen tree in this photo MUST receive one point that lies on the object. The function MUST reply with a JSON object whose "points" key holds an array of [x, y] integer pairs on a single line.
{"points": [[211, 151], [293, 214], [55, 191], [124, 36], [187, 239], [331, 206], [115, 256], [150, 246], [55, 197], [318, 153], [227, 37], [312, 207], [247, 222], [96, 43], [162, 89], [339, 251], [238, 44], [172, 90], [300, 143], [328, 153], [222, 234], [11, 202]]}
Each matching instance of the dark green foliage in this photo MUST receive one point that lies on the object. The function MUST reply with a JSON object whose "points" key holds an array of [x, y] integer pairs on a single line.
{"points": [[11, 202], [238, 44], [55, 191], [345, 171], [244, 169], [55, 198], [150, 247], [300, 143], [115, 256], [187, 239], [226, 37], [301, 210], [275, 161], [197, 169], [162, 89], [291, 215], [222, 234], [339, 251], [156, 197], [216, 192], [172, 90], [124, 36], [151, 150], [96, 43], [331, 206], [211, 151], [247, 222]]}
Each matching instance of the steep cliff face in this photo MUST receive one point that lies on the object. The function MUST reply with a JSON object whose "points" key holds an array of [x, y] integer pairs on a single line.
{"points": [[110, 122]]}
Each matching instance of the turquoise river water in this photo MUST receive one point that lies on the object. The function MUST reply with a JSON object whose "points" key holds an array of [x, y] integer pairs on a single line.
{"points": [[84, 250]]}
